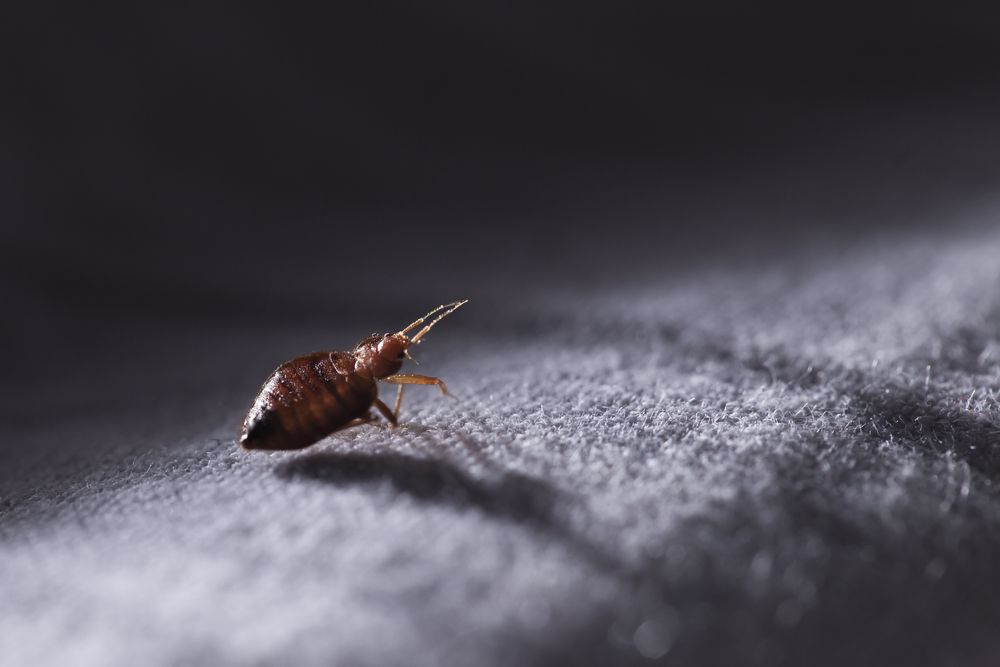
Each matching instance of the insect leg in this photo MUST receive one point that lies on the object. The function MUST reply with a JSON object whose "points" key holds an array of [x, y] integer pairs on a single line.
{"points": [[406, 378], [360, 421], [399, 400], [386, 412]]}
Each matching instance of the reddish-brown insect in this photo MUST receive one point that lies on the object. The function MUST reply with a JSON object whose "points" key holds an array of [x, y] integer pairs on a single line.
{"points": [[310, 397]]}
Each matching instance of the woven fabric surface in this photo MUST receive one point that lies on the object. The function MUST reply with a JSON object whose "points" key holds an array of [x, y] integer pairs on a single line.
{"points": [[791, 463]]}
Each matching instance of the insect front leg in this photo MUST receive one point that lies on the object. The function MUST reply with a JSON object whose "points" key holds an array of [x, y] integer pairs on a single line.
{"points": [[399, 400], [406, 378]]}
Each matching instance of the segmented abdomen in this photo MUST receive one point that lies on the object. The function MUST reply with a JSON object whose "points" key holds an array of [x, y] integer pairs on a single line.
{"points": [[305, 400]]}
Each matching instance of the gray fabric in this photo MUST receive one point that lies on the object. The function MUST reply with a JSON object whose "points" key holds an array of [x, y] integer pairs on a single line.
{"points": [[790, 463]]}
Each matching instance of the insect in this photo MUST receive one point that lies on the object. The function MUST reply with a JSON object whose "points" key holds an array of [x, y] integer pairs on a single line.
{"points": [[312, 396]]}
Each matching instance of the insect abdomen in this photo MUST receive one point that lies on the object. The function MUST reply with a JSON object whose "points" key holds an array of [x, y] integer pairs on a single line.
{"points": [[305, 400]]}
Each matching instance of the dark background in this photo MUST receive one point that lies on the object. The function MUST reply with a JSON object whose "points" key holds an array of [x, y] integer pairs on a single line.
{"points": [[163, 153], [166, 167]]}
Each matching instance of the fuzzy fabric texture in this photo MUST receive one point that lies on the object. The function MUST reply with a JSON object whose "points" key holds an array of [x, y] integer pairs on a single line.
{"points": [[788, 464]]}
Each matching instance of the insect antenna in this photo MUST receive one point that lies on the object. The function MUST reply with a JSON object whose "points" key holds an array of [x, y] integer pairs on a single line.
{"points": [[420, 320], [448, 309]]}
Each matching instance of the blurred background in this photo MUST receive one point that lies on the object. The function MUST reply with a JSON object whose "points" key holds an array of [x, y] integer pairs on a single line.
{"points": [[169, 167], [160, 161], [179, 180]]}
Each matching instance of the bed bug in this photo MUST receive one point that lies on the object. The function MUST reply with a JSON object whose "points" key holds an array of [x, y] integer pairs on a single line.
{"points": [[312, 396]]}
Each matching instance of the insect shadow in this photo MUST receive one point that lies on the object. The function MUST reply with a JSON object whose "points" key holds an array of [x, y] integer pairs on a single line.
{"points": [[509, 496]]}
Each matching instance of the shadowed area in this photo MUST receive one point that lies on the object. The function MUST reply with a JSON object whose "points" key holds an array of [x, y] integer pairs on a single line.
{"points": [[512, 496], [505, 496]]}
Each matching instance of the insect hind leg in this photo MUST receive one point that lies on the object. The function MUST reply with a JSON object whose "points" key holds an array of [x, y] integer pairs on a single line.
{"points": [[368, 418]]}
